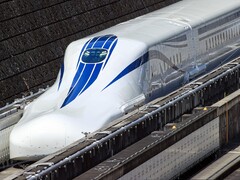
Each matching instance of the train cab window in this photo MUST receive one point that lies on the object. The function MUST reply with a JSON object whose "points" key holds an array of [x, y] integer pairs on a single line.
{"points": [[94, 55]]}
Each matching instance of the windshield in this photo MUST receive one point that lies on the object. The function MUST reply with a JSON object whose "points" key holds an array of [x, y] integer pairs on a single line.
{"points": [[94, 55]]}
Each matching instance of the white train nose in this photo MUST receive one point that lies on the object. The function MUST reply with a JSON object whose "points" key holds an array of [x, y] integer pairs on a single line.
{"points": [[38, 137]]}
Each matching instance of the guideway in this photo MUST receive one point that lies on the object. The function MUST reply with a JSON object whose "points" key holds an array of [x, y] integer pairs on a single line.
{"points": [[168, 154], [140, 124]]}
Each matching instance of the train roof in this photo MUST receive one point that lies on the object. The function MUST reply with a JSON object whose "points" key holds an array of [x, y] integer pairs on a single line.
{"points": [[164, 23]]}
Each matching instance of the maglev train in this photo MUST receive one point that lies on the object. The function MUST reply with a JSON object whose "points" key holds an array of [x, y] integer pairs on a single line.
{"points": [[107, 74]]}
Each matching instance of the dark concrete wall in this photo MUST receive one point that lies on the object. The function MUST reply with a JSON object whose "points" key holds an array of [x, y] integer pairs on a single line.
{"points": [[34, 35]]}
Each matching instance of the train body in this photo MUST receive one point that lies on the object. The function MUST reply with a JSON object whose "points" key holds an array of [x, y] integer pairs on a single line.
{"points": [[107, 74]]}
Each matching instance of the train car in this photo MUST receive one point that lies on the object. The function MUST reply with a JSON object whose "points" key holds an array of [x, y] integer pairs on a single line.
{"points": [[107, 74]]}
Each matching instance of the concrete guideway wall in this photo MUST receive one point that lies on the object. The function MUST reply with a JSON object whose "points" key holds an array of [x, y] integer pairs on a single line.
{"points": [[166, 153], [180, 150], [229, 114], [180, 156], [218, 132], [6, 125]]}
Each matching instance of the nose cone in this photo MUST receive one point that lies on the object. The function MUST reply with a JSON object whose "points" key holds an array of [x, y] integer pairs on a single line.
{"points": [[36, 138]]}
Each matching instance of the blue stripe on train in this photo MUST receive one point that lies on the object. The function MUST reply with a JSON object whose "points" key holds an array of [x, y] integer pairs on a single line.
{"points": [[79, 58], [100, 42], [78, 86], [87, 73], [134, 65], [93, 77], [61, 75], [77, 77], [110, 51]]}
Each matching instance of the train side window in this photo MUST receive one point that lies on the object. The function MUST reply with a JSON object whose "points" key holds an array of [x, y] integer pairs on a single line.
{"points": [[221, 38], [213, 42], [177, 59]]}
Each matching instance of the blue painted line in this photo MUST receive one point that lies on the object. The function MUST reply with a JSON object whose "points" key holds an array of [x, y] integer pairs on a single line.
{"points": [[109, 42], [83, 49], [110, 52], [100, 42], [87, 73], [80, 84], [77, 77], [92, 42], [134, 65], [93, 77], [61, 75]]}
